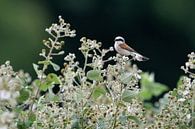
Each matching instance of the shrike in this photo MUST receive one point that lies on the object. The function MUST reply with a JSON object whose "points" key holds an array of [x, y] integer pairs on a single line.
{"points": [[122, 48]]}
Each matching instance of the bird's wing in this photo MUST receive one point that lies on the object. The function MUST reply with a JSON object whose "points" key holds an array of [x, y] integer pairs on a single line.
{"points": [[126, 47]]}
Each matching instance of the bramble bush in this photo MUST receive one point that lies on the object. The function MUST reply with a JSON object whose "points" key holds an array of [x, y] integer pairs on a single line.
{"points": [[94, 95]]}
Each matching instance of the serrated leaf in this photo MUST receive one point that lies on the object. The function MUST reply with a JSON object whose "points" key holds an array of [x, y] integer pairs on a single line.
{"points": [[24, 95], [128, 95], [55, 66], [98, 91], [94, 75]]}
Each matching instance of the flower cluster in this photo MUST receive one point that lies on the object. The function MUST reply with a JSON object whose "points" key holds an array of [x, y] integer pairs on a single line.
{"points": [[61, 30], [95, 95], [10, 86], [108, 96], [177, 106], [190, 65]]}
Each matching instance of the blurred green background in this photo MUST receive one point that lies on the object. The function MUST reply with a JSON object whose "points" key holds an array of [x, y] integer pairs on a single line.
{"points": [[163, 30]]}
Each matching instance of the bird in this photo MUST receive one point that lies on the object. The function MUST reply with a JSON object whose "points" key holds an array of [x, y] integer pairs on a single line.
{"points": [[123, 49]]}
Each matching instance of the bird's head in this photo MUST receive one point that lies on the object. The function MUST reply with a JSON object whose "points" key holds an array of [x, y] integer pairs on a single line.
{"points": [[119, 39]]}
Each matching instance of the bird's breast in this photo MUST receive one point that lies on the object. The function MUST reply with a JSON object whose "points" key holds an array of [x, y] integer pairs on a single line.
{"points": [[121, 50]]}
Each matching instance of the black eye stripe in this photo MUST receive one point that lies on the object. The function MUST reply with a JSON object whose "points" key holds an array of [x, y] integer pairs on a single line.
{"points": [[118, 40]]}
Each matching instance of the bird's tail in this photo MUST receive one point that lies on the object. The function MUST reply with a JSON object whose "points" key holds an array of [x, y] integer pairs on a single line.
{"points": [[139, 57]]}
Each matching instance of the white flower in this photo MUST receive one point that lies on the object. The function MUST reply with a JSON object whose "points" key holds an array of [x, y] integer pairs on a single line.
{"points": [[181, 100], [70, 57], [5, 95], [3, 127], [186, 92], [188, 116], [111, 49], [6, 117], [131, 109]]}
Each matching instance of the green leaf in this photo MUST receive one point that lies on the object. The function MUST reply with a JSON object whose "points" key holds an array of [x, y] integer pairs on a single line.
{"points": [[174, 92], [75, 124], [134, 118], [55, 66], [146, 95], [52, 77], [79, 96], [31, 118], [180, 81], [103, 99], [158, 88], [37, 82], [150, 88], [98, 91], [21, 125], [44, 86], [128, 95], [45, 62], [94, 75], [148, 106], [101, 123], [28, 122], [24, 95], [123, 119], [18, 109], [126, 77], [51, 97], [36, 67]]}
